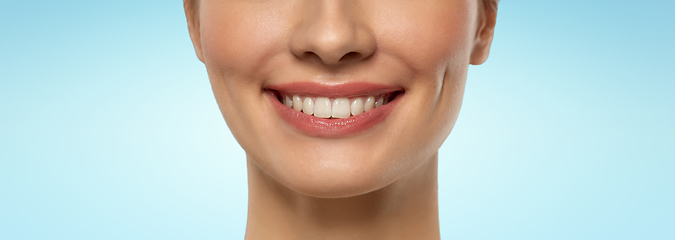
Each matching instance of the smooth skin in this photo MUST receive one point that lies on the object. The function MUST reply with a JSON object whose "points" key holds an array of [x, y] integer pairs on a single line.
{"points": [[380, 183]]}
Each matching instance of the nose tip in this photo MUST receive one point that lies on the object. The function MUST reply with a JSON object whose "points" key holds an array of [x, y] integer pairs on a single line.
{"points": [[332, 37]]}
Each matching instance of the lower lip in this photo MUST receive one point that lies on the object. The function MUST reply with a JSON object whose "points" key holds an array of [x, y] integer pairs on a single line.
{"points": [[340, 127]]}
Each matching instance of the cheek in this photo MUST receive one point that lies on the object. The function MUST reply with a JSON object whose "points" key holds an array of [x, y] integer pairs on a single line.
{"points": [[429, 37], [237, 37], [434, 41]]}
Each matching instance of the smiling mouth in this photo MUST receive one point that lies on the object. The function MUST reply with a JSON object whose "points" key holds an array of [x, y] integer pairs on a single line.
{"points": [[333, 110]]}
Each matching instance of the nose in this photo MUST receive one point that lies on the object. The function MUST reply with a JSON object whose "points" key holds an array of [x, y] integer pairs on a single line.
{"points": [[332, 34]]}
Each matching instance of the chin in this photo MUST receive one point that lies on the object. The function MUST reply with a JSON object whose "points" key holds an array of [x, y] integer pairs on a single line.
{"points": [[336, 182], [340, 168]]}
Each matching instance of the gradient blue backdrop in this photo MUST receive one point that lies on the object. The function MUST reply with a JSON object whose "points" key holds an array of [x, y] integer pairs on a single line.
{"points": [[109, 130]]}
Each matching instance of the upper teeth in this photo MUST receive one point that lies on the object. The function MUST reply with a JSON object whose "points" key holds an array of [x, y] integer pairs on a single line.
{"points": [[324, 107]]}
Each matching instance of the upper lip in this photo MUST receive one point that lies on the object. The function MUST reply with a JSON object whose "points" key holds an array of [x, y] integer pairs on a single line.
{"points": [[333, 90]]}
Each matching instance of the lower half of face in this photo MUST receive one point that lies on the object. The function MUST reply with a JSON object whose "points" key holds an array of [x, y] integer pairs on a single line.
{"points": [[338, 98]]}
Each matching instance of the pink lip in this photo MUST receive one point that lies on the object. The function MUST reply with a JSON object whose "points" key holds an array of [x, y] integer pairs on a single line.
{"points": [[322, 127]]}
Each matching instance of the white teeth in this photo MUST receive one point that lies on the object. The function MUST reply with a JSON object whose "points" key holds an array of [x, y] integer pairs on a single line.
{"points": [[357, 107], [379, 102], [308, 106], [340, 108], [297, 103], [369, 104], [322, 107], [287, 101]]}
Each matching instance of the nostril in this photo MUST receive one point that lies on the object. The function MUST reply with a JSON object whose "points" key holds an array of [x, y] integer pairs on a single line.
{"points": [[346, 58], [350, 56], [311, 55]]}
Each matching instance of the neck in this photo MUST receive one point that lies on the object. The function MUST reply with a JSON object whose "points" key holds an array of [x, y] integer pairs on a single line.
{"points": [[405, 209]]}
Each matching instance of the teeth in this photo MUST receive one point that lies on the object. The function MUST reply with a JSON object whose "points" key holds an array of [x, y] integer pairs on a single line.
{"points": [[287, 101], [324, 107], [308, 106], [357, 106], [369, 104], [379, 102], [297, 103], [340, 108]]}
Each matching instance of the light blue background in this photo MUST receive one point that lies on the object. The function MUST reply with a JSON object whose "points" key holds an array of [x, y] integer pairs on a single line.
{"points": [[109, 130]]}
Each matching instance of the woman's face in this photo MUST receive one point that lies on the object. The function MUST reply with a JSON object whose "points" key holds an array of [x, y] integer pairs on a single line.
{"points": [[333, 60]]}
